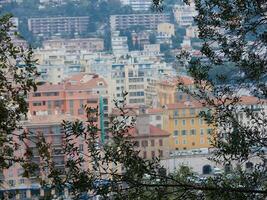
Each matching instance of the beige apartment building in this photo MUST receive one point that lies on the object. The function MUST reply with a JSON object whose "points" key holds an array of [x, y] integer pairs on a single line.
{"points": [[166, 29], [89, 44], [58, 25], [147, 21]]}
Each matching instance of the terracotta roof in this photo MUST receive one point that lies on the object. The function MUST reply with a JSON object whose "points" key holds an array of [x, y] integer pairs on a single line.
{"points": [[49, 119], [76, 82], [153, 132], [251, 100], [185, 104]]}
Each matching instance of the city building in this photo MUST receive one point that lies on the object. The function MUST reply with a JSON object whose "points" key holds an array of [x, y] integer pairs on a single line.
{"points": [[140, 39], [188, 130], [50, 127], [70, 97], [119, 44], [138, 79], [152, 48], [166, 29], [146, 21], [59, 26], [192, 32], [88, 44], [149, 139], [138, 5], [168, 92], [184, 14]]}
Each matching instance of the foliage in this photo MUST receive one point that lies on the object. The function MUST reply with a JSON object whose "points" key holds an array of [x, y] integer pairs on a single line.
{"points": [[17, 77]]}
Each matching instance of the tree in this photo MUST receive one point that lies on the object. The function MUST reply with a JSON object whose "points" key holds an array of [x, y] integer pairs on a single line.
{"points": [[17, 78]]}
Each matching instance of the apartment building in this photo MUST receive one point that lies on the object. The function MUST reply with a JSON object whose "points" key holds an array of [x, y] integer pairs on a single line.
{"points": [[50, 126], [188, 130], [146, 21], [50, 26], [119, 44], [138, 5], [184, 14], [87, 44], [168, 93], [70, 97], [150, 139], [140, 39]]}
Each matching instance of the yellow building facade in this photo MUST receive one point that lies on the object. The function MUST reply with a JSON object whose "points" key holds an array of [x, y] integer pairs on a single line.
{"points": [[188, 130]]}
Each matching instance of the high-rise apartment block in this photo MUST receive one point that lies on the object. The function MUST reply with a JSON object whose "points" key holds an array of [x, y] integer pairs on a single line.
{"points": [[146, 21], [68, 97], [119, 44], [184, 14], [88, 44], [138, 5], [50, 26]]}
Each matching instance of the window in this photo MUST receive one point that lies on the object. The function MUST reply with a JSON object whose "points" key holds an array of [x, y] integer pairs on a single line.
{"points": [[12, 183], [36, 94], [192, 121], [58, 103], [37, 103], [21, 181], [193, 131], [92, 101], [176, 113], [184, 112], [160, 142], [152, 143], [175, 133], [184, 141], [136, 143], [184, 122], [144, 143], [71, 103], [201, 140], [160, 153], [144, 154], [81, 147], [176, 141], [51, 94], [153, 154], [192, 111], [176, 122], [180, 97], [201, 131], [158, 117], [200, 121], [188, 98], [209, 131], [184, 132]]}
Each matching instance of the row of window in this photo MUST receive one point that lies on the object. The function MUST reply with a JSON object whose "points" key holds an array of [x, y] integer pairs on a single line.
{"points": [[191, 132], [146, 143], [153, 154], [192, 122], [133, 94], [137, 100], [48, 94], [184, 141], [133, 80]]}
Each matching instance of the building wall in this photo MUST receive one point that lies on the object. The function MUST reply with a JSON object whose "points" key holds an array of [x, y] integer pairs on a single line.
{"points": [[58, 25], [89, 44], [147, 21], [166, 28], [188, 131]]}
